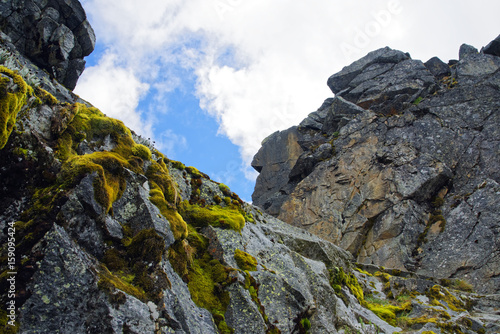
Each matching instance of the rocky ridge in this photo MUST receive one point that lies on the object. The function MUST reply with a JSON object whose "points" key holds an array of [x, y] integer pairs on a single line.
{"points": [[111, 236], [400, 168]]}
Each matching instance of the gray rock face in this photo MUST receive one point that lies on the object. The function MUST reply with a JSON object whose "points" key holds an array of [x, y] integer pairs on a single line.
{"points": [[413, 190], [55, 35], [67, 277], [493, 48]]}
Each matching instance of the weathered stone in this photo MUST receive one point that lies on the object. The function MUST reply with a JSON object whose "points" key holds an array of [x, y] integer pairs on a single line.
{"points": [[493, 48], [65, 277], [135, 209], [397, 190], [55, 35], [437, 67], [466, 50], [242, 314], [340, 81], [274, 165]]}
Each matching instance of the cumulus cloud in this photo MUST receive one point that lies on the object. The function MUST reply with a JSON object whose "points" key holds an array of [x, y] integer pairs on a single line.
{"points": [[262, 66]]}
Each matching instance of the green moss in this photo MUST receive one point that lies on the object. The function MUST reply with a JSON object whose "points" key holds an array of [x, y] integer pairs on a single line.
{"points": [[225, 189], [442, 294], [462, 285], [417, 100], [338, 278], [135, 268], [245, 261], [249, 218], [159, 176], [217, 216], [108, 282], [11, 102], [177, 224], [114, 260], [21, 152], [207, 278], [109, 184], [305, 324], [363, 271], [93, 125], [217, 199], [45, 96], [147, 246], [195, 173], [141, 151], [388, 312], [178, 165]]}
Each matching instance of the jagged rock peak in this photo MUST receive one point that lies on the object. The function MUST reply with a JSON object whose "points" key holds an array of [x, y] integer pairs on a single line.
{"points": [[400, 168], [54, 34]]}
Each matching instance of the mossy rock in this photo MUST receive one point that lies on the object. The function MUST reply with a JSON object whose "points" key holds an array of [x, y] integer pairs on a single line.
{"points": [[109, 281], [147, 246], [159, 176], [217, 216], [93, 125], [245, 261], [11, 102], [177, 224], [109, 184], [141, 151]]}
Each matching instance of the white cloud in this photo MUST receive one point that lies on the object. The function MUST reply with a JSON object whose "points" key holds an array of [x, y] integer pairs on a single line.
{"points": [[116, 91], [262, 66], [171, 143]]}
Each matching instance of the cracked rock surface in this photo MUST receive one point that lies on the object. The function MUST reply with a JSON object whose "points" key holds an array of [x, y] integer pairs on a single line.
{"points": [[411, 177]]}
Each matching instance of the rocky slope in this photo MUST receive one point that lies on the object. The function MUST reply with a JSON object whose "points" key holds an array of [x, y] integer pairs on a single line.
{"points": [[401, 167], [101, 233]]}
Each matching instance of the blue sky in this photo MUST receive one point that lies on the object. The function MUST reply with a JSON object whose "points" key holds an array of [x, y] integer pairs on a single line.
{"points": [[208, 80]]}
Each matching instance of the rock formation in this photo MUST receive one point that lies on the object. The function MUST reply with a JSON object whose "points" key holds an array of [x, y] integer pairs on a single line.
{"points": [[400, 168], [102, 233], [55, 35]]}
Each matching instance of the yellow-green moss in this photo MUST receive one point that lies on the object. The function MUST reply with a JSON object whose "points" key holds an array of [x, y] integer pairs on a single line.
{"points": [[249, 218], [109, 184], [387, 311], [141, 151], [147, 246], [245, 261], [135, 267], [224, 217], [45, 96], [177, 224], [338, 278], [195, 173], [159, 176], [177, 164], [207, 278], [108, 281], [439, 293], [225, 189], [92, 124], [11, 103], [363, 271]]}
